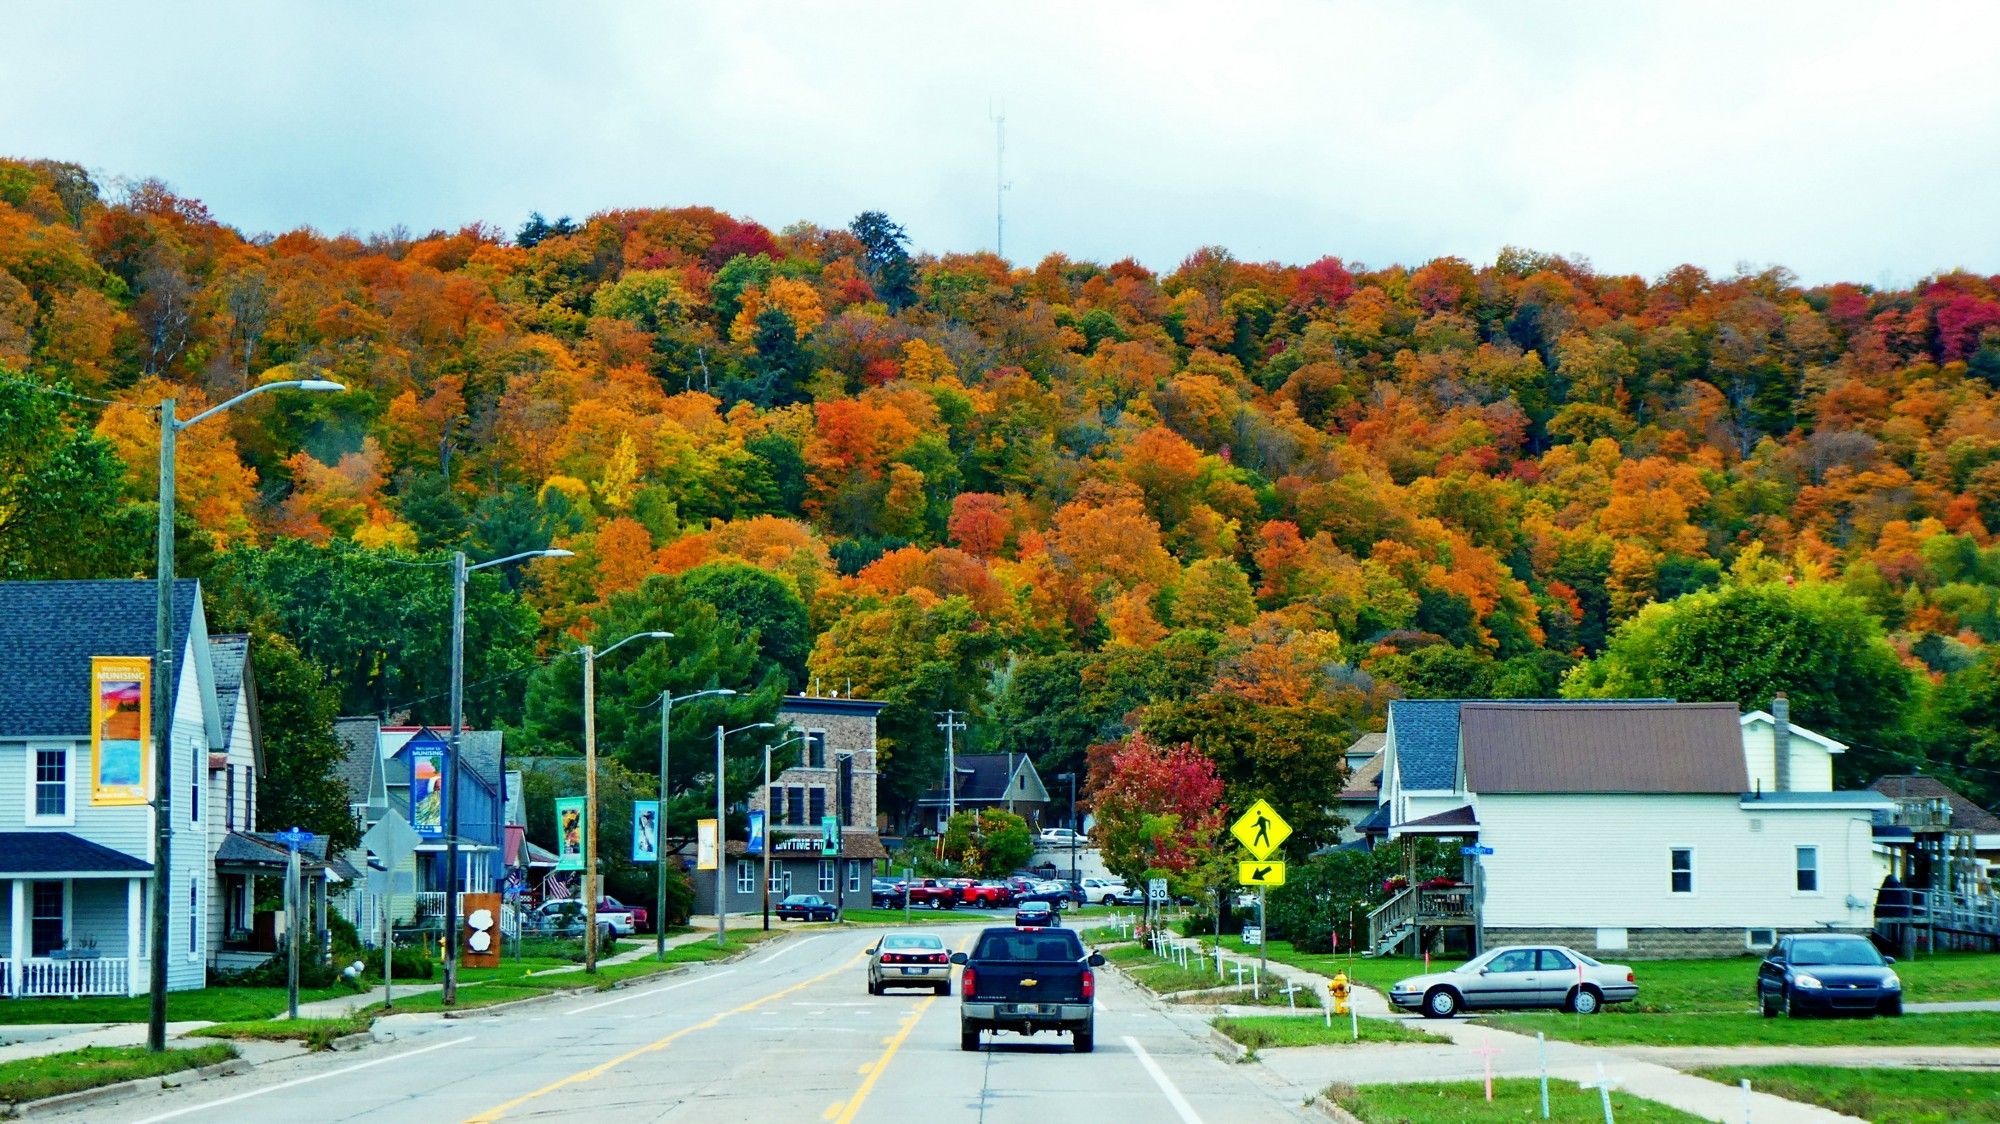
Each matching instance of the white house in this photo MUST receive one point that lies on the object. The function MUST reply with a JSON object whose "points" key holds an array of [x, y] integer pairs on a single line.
{"points": [[76, 830], [1642, 828]]}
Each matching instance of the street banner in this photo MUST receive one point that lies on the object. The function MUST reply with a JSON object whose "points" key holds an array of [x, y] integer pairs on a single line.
{"points": [[756, 846], [427, 791], [569, 832], [704, 845], [645, 831], [121, 723], [829, 835]]}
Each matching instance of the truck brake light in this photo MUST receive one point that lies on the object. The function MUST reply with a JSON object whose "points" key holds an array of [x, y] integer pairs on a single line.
{"points": [[1089, 983], [968, 981]]}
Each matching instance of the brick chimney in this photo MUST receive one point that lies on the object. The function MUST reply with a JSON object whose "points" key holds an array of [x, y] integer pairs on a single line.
{"points": [[1781, 741]]}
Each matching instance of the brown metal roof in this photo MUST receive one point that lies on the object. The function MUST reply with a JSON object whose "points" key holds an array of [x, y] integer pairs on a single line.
{"points": [[1965, 815], [1364, 783], [1603, 747]]}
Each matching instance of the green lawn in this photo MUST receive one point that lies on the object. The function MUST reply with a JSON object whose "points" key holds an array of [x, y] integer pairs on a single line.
{"points": [[316, 1033], [1909, 1096], [31, 1079], [1369, 972], [1976, 1028], [213, 1004], [1268, 996], [1513, 1099], [923, 917], [469, 998], [1264, 1032]]}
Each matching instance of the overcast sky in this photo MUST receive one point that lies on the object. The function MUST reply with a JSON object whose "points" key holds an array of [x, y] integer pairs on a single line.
{"points": [[1845, 141]]}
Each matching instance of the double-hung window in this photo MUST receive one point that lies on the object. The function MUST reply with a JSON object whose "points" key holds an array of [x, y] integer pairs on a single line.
{"points": [[46, 919], [49, 789], [853, 875], [746, 877], [826, 876], [1807, 876], [815, 749], [194, 920], [1681, 870]]}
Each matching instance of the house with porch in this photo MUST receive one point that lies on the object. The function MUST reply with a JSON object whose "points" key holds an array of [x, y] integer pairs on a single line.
{"points": [[830, 772], [1007, 781], [412, 772], [77, 854], [1635, 829]]}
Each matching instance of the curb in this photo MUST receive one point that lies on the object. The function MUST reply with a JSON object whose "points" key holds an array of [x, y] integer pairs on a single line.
{"points": [[1333, 1111], [353, 1041], [1225, 1047], [230, 1068]]}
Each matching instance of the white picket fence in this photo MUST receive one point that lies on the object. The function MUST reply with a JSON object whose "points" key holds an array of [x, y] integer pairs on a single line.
{"points": [[42, 977]]}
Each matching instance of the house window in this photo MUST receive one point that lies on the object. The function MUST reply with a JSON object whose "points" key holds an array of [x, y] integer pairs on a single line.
{"points": [[194, 920], [847, 788], [853, 876], [746, 877], [1808, 870], [45, 933], [229, 796], [818, 807], [826, 876], [1682, 864], [816, 749], [48, 780], [795, 806], [777, 879]]}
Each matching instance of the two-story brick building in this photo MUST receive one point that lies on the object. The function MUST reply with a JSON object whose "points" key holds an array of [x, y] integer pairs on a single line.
{"points": [[829, 772]]}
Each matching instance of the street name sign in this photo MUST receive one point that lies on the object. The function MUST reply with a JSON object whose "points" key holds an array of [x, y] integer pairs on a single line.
{"points": [[1475, 850], [1260, 873], [1261, 830]]}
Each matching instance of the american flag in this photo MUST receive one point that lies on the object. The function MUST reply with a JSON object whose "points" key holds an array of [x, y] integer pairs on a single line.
{"points": [[553, 887]]}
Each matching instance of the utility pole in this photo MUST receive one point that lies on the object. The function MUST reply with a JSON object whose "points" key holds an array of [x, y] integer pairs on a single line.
{"points": [[950, 725]]}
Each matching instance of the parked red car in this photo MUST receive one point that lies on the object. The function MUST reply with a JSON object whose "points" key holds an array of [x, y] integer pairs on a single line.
{"points": [[935, 893], [641, 921], [988, 895]]}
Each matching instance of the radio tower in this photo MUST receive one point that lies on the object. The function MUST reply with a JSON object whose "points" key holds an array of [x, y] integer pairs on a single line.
{"points": [[1000, 184]]}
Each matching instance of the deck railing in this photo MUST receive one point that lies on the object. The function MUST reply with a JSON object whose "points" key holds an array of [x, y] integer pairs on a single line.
{"points": [[45, 977]]}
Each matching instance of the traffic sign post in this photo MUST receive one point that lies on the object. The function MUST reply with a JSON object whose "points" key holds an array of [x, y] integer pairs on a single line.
{"points": [[293, 840]]}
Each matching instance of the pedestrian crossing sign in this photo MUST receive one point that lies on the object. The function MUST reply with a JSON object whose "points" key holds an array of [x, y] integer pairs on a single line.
{"points": [[1260, 874], [1261, 830]]}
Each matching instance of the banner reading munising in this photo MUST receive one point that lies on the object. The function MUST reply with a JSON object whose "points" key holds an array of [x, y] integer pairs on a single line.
{"points": [[121, 723]]}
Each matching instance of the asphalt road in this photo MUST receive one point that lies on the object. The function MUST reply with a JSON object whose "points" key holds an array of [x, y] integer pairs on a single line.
{"points": [[790, 1034]]}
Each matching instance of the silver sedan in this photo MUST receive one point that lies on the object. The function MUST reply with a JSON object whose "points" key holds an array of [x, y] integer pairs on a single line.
{"points": [[909, 960], [1519, 976]]}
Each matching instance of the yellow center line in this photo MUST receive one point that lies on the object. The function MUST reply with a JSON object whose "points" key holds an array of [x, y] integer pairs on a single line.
{"points": [[895, 1042], [597, 1071]]}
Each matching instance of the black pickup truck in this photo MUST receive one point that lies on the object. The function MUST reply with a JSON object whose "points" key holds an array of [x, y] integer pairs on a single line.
{"points": [[1027, 980]]}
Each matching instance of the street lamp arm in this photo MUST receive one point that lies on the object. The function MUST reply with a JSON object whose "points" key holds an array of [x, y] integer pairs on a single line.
{"points": [[319, 385], [602, 652], [557, 552]]}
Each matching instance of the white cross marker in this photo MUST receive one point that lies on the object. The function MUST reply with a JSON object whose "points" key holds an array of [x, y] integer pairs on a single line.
{"points": [[1289, 993], [1603, 1086]]}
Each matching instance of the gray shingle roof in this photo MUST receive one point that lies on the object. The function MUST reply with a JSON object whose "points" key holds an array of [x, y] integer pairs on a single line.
{"points": [[49, 631], [981, 776], [1965, 815], [258, 848], [361, 737], [227, 655], [58, 852], [1604, 747]]}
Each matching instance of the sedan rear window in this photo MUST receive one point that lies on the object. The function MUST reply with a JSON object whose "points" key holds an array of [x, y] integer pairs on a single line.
{"points": [[911, 942]]}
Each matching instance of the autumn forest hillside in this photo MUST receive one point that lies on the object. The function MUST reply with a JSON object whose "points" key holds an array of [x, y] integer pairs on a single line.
{"points": [[1238, 504]]}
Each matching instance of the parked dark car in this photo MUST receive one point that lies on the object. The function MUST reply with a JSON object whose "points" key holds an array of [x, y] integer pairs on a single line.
{"points": [[1036, 915], [807, 907], [1027, 981], [1053, 893], [888, 893], [1825, 973]]}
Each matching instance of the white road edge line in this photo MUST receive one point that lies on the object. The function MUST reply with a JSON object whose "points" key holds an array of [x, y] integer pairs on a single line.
{"points": [[654, 991], [205, 1106], [1159, 1077], [787, 948]]}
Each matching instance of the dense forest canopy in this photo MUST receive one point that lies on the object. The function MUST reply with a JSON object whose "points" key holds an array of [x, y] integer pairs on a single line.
{"points": [[1239, 505]]}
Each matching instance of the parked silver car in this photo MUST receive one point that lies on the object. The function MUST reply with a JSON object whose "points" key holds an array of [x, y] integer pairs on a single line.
{"points": [[1519, 976], [909, 960]]}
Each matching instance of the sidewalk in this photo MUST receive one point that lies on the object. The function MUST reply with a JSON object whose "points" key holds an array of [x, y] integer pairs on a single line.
{"points": [[1311, 1069], [347, 1004]]}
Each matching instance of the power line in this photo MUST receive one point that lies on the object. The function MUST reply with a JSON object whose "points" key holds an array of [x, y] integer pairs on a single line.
{"points": [[50, 390]]}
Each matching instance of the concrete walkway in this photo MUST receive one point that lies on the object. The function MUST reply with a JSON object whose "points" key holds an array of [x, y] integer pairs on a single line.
{"points": [[1854, 1057], [1948, 1008], [1311, 1069]]}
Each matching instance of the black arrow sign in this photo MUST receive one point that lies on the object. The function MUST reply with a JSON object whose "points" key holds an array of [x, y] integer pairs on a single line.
{"points": [[1258, 874]]}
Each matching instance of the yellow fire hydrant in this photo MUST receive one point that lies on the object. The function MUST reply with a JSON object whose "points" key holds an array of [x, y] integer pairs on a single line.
{"points": [[1339, 990]]}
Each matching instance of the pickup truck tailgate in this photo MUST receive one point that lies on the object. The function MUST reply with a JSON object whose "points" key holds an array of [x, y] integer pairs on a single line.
{"points": [[1046, 982]]}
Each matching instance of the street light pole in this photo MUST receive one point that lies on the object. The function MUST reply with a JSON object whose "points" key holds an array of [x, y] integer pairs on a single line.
{"points": [[163, 686], [767, 823], [667, 701], [1071, 778], [459, 573], [721, 834], [591, 889]]}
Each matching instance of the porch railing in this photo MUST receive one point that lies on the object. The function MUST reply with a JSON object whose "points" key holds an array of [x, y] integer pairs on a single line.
{"points": [[42, 977]]}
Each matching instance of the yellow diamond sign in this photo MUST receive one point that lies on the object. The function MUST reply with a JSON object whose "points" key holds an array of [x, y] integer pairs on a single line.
{"points": [[1260, 874], [1261, 830]]}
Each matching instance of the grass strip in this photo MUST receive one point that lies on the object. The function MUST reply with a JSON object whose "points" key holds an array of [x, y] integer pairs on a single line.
{"points": [[1513, 1099], [1912, 1096], [31, 1079], [1264, 1032], [317, 1034], [1970, 1028], [212, 1004], [1249, 997]]}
